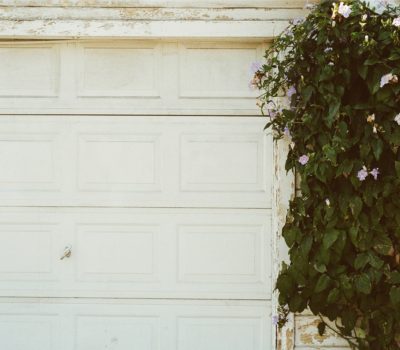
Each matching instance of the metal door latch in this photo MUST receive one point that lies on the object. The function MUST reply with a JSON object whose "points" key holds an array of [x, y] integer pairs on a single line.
{"points": [[67, 252]]}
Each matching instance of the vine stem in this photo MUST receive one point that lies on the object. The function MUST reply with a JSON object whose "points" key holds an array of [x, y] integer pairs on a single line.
{"points": [[348, 339]]}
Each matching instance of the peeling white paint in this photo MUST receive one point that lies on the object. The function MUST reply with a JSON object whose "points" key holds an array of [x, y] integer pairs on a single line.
{"points": [[161, 3], [146, 14], [140, 29]]}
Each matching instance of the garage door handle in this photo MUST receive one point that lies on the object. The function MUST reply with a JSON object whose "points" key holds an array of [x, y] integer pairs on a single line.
{"points": [[67, 252]]}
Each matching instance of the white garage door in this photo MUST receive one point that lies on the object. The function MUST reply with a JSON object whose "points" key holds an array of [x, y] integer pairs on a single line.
{"points": [[133, 232]]}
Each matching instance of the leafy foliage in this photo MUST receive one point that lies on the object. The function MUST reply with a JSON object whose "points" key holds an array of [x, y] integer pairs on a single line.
{"points": [[340, 67]]}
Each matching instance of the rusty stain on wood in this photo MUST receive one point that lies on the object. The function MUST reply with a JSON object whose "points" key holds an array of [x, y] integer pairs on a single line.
{"points": [[289, 338]]}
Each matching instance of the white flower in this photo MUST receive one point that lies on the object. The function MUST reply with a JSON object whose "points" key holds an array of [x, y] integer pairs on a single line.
{"points": [[397, 119], [344, 10], [328, 202], [366, 38], [371, 118], [396, 22], [364, 17], [389, 78]]}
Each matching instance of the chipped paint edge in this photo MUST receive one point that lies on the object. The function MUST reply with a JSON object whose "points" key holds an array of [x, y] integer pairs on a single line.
{"points": [[284, 189]]}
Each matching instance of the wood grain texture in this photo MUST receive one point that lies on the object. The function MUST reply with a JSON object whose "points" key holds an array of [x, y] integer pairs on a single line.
{"points": [[161, 3]]}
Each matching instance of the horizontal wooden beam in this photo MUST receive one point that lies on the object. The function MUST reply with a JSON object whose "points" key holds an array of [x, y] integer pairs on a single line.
{"points": [[67, 29], [147, 14], [161, 3]]}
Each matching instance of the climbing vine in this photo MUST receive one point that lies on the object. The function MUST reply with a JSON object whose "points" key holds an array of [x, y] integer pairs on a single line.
{"points": [[339, 69]]}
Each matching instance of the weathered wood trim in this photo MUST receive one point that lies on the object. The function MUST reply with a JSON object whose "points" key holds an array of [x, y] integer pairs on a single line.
{"points": [[49, 29], [284, 189], [148, 14], [161, 3]]}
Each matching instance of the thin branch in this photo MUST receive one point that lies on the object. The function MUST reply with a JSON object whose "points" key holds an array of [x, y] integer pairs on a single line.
{"points": [[348, 339]]}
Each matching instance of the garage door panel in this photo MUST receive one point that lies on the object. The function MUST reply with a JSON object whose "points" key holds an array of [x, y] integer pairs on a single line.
{"points": [[68, 324], [119, 163], [133, 251], [128, 77], [119, 71], [218, 333], [161, 253], [28, 331], [29, 252], [221, 254], [204, 70], [135, 162], [118, 332], [222, 163], [30, 162], [19, 80]]}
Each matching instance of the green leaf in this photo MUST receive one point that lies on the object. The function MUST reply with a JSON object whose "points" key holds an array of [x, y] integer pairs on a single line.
{"points": [[295, 303], [377, 147], [345, 167], [383, 245], [394, 277], [361, 261], [395, 295], [397, 166], [363, 283], [307, 93], [356, 205], [333, 112], [330, 237], [349, 319], [375, 261], [330, 153], [321, 328], [320, 267], [333, 296], [360, 333], [322, 283], [285, 284], [362, 71], [371, 61], [290, 235]]}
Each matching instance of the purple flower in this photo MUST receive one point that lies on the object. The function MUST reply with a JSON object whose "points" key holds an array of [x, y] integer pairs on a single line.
{"points": [[275, 320], [297, 21], [344, 10], [303, 160], [286, 131], [291, 91], [255, 67], [375, 172], [272, 113], [362, 174]]}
